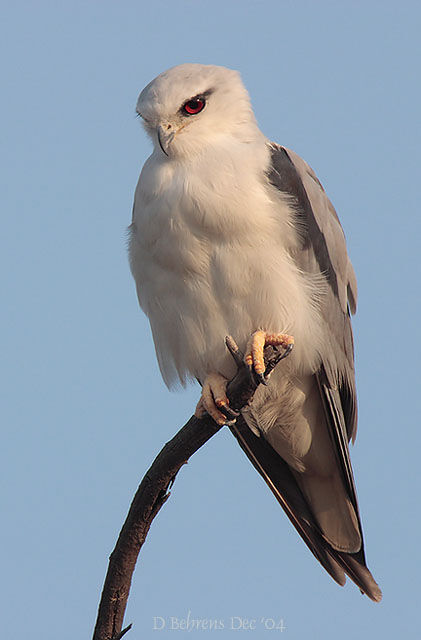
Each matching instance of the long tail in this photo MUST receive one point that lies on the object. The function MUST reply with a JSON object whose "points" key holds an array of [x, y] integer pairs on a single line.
{"points": [[284, 486]]}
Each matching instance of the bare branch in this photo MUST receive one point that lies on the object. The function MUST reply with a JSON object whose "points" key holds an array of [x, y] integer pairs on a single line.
{"points": [[122, 633], [153, 492]]}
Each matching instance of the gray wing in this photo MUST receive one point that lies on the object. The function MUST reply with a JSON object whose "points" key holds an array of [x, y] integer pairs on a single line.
{"points": [[323, 250]]}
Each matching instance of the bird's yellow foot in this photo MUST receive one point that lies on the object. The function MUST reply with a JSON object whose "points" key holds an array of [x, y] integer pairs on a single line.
{"points": [[254, 357], [214, 400]]}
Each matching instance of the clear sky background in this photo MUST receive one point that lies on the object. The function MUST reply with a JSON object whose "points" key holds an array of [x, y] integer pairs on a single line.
{"points": [[84, 410]]}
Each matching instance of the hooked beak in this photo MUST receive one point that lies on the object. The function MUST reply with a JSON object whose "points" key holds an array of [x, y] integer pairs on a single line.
{"points": [[165, 136]]}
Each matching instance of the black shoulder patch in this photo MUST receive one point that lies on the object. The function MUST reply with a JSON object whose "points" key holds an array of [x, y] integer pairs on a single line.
{"points": [[284, 176]]}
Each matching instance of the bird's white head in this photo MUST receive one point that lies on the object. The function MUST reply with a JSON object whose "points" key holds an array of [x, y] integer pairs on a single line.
{"points": [[193, 106]]}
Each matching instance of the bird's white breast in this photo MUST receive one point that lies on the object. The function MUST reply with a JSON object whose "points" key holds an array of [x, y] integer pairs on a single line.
{"points": [[210, 251]]}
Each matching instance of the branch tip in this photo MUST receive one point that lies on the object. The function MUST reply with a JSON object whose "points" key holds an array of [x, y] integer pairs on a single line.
{"points": [[122, 633], [234, 350]]}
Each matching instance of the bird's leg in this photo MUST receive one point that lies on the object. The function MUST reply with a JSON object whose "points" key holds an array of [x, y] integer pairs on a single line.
{"points": [[254, 357], [214, 400]]}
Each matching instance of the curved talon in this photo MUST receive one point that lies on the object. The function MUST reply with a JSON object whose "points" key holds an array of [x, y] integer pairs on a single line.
{"points": [[226, 409], [274, 361], [214, 400], [260, 378], [286, 352], [254, 358]]}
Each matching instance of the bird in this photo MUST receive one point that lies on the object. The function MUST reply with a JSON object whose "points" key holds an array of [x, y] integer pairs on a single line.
{"points": [[233, 234]]}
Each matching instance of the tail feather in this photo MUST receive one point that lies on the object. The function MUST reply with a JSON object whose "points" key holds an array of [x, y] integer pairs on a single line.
{"points": [[280, 479], [360, 575]]}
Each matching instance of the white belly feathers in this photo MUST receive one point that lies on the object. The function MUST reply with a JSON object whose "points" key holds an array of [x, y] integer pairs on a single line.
{"points": [[214, 259]]}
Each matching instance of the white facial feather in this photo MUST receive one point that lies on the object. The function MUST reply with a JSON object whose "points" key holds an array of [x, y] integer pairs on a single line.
{"points": [[227, 110]]}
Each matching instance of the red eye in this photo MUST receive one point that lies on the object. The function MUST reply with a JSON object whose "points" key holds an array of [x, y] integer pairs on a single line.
{"points": [[194, 106]]}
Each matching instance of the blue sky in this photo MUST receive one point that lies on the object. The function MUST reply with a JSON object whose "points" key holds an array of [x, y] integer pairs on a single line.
{"points": [[84, 410]]}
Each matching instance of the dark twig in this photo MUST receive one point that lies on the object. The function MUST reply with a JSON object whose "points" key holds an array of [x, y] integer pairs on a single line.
{"points": [[234, 350], [122, 633], [153, 492]]}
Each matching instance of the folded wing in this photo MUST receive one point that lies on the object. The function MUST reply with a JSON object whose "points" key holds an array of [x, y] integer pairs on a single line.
{"points": [[320, 499]]}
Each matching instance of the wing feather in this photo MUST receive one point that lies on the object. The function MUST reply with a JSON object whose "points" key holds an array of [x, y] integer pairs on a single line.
{"points": [[323, 250], [279, 478], [281, 482]]}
